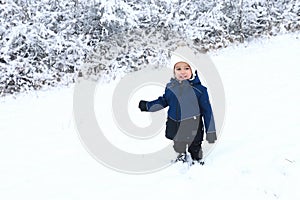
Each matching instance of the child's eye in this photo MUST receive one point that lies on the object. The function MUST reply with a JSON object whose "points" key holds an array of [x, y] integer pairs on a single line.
{"points": [[187, 68], [178, 69]]}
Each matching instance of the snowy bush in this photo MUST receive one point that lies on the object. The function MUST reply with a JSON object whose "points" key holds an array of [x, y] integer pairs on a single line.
{"points": [[50, 42]]}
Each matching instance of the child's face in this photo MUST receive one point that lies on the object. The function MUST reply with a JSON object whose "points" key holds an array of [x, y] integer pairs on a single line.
{"points": [[182, 71]]}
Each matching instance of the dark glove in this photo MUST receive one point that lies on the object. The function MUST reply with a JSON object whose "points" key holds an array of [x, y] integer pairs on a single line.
{"points": [[143, 105], [211, 137]]}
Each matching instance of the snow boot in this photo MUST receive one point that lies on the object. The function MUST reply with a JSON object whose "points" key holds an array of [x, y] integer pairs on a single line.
{"points": [[181, 157], [197, 156]]}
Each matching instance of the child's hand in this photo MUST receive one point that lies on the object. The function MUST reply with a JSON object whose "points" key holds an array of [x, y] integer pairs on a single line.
{"points": [[211, 137], [143, 105]]}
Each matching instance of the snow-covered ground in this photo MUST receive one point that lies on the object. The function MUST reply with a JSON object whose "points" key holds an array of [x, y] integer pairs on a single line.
{"points": [[256, 157]]}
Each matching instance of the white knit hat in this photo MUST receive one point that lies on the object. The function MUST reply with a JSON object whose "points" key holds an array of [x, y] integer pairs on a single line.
{"points": [[177, 58]]}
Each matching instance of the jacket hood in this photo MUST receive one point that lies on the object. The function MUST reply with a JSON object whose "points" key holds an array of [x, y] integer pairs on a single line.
{"points": [[196, 79]]}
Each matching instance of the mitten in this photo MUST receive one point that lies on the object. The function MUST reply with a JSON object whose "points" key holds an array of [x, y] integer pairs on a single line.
{"points": [[211, 137], [143, 105]]}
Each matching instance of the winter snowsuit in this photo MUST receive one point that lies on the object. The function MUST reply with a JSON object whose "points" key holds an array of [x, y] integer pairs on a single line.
{"points": [[188, 103]]}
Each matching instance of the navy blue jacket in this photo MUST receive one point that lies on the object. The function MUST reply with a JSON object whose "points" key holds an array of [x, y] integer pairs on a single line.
{"points": [[187, 99]]}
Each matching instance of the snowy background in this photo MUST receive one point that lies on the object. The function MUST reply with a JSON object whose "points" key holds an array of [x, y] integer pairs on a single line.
{"points": [[45, 45], [256, 157]]}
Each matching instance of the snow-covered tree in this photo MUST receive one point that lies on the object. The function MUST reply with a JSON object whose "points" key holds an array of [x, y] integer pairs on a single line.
{"points": [[50, 42]]}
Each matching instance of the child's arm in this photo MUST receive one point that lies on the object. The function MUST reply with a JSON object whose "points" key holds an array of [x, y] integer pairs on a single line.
{"points": [[208, 116], [152, 106]]}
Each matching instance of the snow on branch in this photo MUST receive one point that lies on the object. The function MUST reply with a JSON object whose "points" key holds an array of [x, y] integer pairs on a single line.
{"points": [[45, 43]]}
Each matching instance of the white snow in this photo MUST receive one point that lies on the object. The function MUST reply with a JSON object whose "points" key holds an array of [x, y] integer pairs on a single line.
{"points": [[256, 157]]}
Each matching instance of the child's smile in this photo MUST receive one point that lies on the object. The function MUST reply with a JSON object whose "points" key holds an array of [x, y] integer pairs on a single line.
{"points": [[182, 71]]}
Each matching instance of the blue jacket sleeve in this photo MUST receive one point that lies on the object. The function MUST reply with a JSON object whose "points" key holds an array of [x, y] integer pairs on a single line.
{"points": [[158, 104], [206, 112]]}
